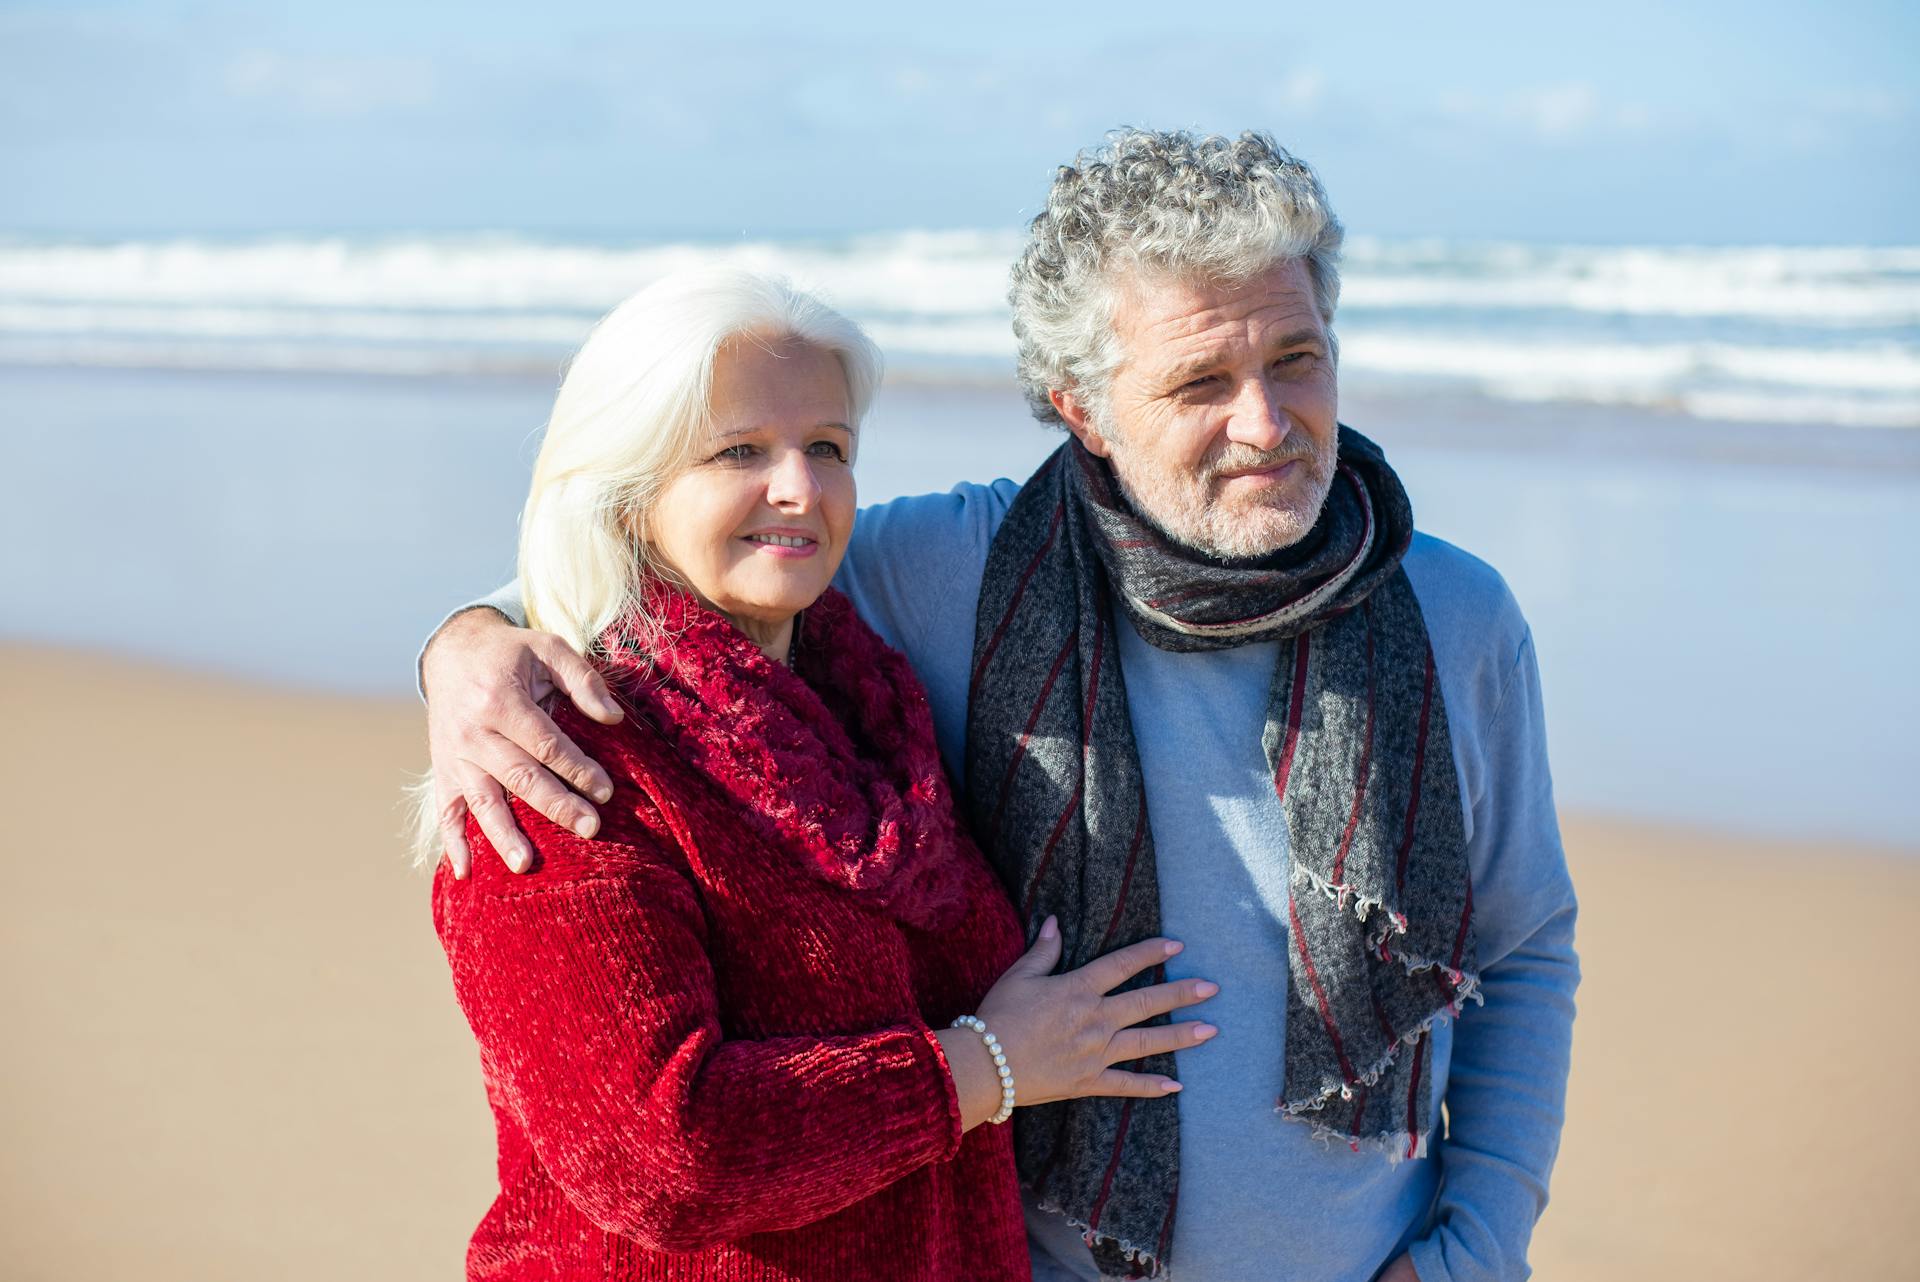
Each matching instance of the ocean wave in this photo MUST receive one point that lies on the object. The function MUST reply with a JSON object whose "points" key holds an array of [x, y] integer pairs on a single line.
{"points": [[917, 272], [1748, 333], [1595, 367], [942, 273]]}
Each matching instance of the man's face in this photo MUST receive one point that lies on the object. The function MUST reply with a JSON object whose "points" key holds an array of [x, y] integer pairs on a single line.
{"points": [[1221, 418]]}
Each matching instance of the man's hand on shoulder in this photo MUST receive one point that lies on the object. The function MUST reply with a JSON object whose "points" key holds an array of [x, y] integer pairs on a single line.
{"points": [[484, 680]]}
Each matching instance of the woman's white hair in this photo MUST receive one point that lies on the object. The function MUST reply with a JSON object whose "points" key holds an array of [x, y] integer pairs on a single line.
{"points": [[631, 414], [1189, 206]]}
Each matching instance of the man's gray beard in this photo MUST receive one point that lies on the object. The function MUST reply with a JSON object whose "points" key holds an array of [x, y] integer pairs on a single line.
{"points": [[1208, 542]]}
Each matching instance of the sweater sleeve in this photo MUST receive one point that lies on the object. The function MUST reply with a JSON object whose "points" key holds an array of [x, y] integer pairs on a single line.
{"points": [[505, 599], [594, 1002], [1506, 1088]]}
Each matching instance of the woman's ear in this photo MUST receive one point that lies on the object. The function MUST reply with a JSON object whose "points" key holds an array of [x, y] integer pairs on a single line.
{"points": [[1073, 412]]}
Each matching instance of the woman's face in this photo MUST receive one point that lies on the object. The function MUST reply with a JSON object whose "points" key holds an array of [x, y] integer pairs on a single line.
{"points": [[758, 524]]}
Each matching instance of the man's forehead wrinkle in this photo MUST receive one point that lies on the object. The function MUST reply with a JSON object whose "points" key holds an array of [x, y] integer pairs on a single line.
{"points": [[1196, 340]]}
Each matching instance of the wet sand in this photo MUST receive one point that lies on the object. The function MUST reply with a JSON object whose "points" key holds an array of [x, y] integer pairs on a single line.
{"points": [[231, 1051]]}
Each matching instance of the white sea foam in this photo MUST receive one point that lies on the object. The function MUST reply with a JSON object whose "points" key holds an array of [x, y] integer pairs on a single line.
{"points": [[1828, 333]]}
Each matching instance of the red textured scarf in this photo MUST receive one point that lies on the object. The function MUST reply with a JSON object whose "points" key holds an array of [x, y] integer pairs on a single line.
{"points": [[834, 762]]}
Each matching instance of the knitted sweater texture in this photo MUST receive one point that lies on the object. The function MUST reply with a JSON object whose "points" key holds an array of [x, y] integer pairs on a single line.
{"points": [[705, 1059]]}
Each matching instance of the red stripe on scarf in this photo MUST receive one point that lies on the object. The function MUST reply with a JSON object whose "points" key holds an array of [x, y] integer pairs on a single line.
{"points": [[1213, 589], [1113, 1165], [1363, 773], [1166, 1228], [1126, 878], [1294, 706], [1319, 993], [1093, 683], [1419, 770], [1046, 857], [1460, 939], [1020, 590], [1380, 1016], [1359, 1115], [1366, 514], [1020, 749]]}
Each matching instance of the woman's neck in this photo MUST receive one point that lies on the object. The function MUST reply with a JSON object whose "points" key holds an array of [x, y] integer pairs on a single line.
{"points": [[775, 639]]}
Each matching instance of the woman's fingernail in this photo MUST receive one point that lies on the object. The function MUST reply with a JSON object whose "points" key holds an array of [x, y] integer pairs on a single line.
{"points": [[1049, 928], [1205, 988], [1201, 1032], [1169, 1087]]}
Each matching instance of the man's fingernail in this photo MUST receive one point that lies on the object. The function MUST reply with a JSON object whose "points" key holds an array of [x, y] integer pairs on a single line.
{"points": [[520, 861], [602, 792], [586, 825]]}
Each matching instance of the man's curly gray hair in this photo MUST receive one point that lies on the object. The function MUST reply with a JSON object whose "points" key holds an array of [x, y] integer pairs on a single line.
{"points": [[1207, 206]]}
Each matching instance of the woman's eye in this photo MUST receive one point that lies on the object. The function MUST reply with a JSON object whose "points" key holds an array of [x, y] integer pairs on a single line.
{"points": [[733, 454], [827, 449]]}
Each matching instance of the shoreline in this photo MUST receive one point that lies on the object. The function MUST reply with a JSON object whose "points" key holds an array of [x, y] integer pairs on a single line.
{"points": [[1450, 419]]}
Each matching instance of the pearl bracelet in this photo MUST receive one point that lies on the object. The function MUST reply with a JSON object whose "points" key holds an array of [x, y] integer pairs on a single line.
{"points": [[979, 1026]]}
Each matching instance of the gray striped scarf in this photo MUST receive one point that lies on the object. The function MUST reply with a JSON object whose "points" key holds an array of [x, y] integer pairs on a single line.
{"points": [[1380, 907]]}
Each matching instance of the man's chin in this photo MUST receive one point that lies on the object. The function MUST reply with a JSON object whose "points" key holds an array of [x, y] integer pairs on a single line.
{"points": [[1263, 530]]}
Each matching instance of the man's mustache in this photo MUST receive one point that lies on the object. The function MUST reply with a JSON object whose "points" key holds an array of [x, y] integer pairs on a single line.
{"points": [[1242, 458]]}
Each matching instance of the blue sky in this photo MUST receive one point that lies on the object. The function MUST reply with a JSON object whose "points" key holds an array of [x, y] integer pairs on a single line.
{"points": [[1707, 123]]}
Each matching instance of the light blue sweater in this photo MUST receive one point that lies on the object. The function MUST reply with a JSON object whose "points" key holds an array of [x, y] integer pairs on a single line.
{"points": [[1260, 1198]]}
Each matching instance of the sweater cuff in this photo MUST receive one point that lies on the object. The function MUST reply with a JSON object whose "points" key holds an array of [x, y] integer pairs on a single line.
{"points": [[950, 1093]]}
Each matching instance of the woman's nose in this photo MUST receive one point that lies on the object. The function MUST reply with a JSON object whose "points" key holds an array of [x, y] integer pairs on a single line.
{"points": [[792, 485]]}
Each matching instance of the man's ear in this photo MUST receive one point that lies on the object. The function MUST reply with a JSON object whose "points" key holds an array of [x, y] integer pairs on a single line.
{"points": [[1073, 412]]}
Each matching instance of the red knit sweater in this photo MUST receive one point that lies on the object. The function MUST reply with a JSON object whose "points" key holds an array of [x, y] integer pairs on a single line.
{"points": [[708, 1047]]}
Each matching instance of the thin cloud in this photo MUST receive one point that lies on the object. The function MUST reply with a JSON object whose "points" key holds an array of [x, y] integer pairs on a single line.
{"points": [[331, 88]]}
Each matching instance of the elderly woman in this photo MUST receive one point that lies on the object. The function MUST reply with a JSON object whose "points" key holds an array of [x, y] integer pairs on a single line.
{"points": [[761, 1023]]}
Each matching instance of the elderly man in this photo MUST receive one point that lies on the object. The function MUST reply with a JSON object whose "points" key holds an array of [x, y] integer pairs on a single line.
{"points": [[1201, 677]]}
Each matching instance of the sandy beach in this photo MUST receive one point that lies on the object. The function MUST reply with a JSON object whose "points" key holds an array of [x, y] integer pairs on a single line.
{"points": [[232, 1052]]}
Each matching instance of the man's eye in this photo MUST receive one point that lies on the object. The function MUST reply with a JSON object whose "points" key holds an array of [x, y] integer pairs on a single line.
{"points": [[1294, 358], [1198, 384]]}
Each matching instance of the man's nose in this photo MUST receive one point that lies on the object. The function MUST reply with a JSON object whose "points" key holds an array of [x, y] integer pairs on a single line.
{"points": [[793, 486], [1259, 420]]}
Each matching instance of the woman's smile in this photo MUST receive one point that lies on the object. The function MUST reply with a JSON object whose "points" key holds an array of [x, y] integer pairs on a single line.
{"points": [[783, 543]]}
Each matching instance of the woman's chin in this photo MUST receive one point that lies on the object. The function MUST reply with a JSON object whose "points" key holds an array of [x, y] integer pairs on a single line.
{"points": [[775, 606]]}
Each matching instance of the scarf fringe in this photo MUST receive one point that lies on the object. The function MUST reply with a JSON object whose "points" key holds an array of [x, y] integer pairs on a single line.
{"points": [[1466, 989], [1138, 1256], [1395, 1146], [1394, 922]]}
